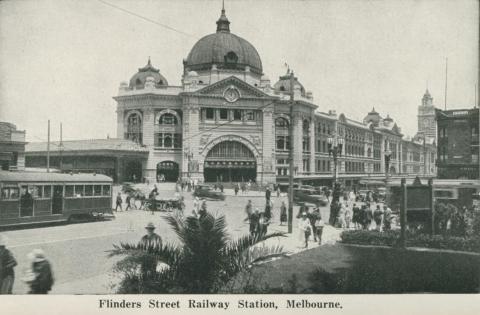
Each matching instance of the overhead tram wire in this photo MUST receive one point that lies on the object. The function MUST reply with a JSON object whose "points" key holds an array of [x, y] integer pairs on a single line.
{"points": [[145, 18]]}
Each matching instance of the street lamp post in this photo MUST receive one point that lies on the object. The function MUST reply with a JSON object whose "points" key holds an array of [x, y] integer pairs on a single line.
{"points": [[335, 145], [388, 155]]}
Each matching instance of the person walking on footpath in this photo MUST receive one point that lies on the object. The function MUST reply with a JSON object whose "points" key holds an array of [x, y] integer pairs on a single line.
{"points": [[268, 209], [268, 194], [356, 217], [119, 202], [248, 210], [348, 217], [283, 213], [254, 221], [278, 191], [305, 229], [319, 227], [313, 217], [7, 263], [40, 276], [387, 218], [236, 188], [127, 201], [263, 223], [377, 216], [341, 216]]}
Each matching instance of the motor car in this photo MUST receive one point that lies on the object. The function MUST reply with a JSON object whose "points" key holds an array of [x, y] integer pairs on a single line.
{"points": [[205, 191], [362, 195], [382, 193], [309, 196]]}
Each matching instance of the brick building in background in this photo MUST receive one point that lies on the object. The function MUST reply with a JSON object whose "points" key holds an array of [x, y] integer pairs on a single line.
{"points": [[457, 151]]}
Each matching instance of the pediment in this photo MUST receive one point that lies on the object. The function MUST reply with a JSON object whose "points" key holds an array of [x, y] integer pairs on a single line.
{"points": [[244, 89]]}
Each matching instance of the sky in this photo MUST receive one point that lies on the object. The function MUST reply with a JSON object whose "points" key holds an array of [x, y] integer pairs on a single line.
{"points": [[64, 60]]}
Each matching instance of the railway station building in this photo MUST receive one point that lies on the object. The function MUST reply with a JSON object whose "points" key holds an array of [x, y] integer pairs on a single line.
{"points": [[227, 121]]}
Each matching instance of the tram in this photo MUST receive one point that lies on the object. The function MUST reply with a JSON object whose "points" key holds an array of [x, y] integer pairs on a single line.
{"points": [[459, 192], [31, 197]]}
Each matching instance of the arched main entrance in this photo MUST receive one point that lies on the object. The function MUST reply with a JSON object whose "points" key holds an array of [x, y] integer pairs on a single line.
{"points": [[167, 171], [230, 161]]}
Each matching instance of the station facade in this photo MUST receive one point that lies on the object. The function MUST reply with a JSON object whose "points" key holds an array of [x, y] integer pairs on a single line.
{"points": [[228, 122]]}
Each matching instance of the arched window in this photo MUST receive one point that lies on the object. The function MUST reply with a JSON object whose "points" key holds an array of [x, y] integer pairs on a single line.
{"points": [[168, 119], [138, 84], [281, 122], [231, 57], [134, 128]]}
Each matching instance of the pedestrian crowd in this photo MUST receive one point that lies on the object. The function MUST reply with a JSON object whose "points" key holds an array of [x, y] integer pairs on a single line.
{"points": [[37, 275]]}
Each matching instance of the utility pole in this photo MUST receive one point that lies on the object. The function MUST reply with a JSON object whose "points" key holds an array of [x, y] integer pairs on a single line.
{"points": [[424, 155], [446, 80], [48, 147], [60, 147], [290, 156]]}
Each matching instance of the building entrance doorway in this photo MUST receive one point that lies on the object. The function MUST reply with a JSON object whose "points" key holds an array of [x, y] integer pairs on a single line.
{"points": [[133, 171], [167, 171], [230, 161]]}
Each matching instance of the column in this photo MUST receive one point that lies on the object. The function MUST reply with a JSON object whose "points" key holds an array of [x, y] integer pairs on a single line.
{"points": [[312, 144], [191, 141], [297, 144], [382, 154], [148, 130], [120, 122], [268, 147], [148, 127]]}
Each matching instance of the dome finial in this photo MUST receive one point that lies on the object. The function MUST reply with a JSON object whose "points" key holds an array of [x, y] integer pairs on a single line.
{"points": [[223, 24]]}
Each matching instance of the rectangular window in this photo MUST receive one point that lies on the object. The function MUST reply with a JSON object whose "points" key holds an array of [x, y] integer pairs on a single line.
{"points": [[37, 191], [10, 193], [106, 190], [237, 114], [88, 190], [47, 191], [210, 113], [78, 191], [250, 115], [223, 114], [97, 190], [69, 191], [177, 140], [159, 140]]}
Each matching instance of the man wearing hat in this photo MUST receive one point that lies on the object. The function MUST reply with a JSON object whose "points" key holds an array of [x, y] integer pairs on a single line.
{"points": [[254, 222], [151, 239], [40, 277], [7, 263]]}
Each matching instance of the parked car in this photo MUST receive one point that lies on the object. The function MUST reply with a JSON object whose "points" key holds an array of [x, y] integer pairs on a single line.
{"points": [[302, 195], [205, 191], [362, 195], [382, 193]]}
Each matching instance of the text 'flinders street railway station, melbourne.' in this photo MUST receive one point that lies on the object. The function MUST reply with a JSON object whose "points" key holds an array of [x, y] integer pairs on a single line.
{"points": [[228, 122]]}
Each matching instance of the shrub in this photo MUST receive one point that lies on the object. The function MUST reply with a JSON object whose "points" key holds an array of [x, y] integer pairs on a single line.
{"points": [[413, 239]]}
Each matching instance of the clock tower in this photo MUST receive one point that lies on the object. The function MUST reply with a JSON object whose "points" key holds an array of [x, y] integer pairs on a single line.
{"points": [[427, 126]]}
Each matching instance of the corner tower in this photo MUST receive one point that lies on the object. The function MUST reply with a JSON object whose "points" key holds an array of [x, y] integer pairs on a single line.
{"points": [[426, 118]]}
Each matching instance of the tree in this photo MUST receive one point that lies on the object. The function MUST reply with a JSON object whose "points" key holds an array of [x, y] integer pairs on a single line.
{"points": [[204, 261]]}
